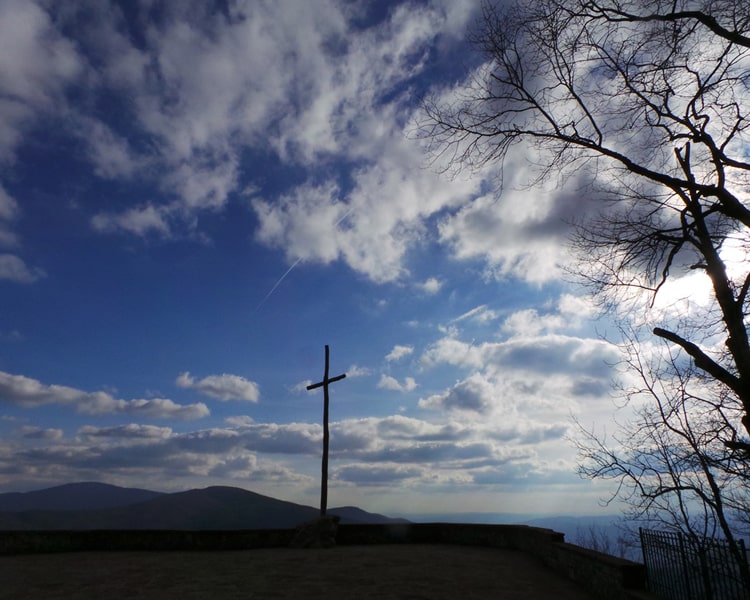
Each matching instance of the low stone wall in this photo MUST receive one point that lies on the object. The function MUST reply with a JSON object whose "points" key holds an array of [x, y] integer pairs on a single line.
{"points": [[607, 577]]}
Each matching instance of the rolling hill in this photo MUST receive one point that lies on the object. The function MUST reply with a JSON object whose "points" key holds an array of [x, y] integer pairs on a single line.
{"points": [[74, 496], [101, 506]]}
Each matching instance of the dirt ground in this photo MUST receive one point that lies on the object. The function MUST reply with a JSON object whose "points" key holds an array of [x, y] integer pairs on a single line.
{"points": [[405, 572]]}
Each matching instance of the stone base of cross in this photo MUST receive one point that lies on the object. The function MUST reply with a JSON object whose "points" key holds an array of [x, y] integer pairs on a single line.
{"points": [[324, 477]]}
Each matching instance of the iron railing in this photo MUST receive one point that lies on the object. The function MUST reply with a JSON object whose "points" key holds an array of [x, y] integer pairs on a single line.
{"points": [[680, 569]]}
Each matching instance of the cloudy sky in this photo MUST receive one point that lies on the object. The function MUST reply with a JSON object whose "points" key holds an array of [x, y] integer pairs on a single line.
{"points": [[196, 197]]}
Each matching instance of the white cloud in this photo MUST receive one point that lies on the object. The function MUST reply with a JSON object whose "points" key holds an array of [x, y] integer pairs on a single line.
{"points": [[37, 433], [8, 206], [372, 227], [222, 387], [140, 221], [392, 194], [202, 86], [473, 394], [30, 393], [577, 306], [370, 451], [13, 268], [524, 231], [399, 352], [371, 475], [129, 431], [110, 153], [528, 322], [239, 421], [301, 386], [36, 63], [391, 383], [8, 212], [356, 371], [431, 285], [551, 353], [303, 222]]}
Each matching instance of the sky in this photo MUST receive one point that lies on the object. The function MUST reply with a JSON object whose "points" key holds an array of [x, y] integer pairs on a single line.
{"points": [[196, 197]]}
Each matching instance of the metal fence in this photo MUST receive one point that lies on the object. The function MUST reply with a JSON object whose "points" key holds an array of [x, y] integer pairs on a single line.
{"points": [[679, 569]]}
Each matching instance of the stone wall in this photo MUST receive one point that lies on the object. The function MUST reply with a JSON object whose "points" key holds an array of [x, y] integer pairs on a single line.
{"points": [[607, 577]]}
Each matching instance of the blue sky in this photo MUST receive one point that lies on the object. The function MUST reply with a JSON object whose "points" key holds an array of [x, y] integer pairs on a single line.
{"points": [[196, 197]]}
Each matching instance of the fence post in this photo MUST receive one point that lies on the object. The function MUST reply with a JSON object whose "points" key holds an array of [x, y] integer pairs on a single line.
{"points": [[705, 574], [685, 567]]}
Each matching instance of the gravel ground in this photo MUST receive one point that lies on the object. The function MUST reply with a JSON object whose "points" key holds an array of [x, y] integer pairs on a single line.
{"points": [[428, 572]]}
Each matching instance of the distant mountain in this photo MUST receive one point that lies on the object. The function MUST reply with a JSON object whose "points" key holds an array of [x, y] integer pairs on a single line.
{"points": [[210, 508], [486, 518], [352, 515], [74, 496]]}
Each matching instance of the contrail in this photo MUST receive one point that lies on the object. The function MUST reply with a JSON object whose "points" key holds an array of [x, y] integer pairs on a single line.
{"points": [[277, 284], [296, 262]]}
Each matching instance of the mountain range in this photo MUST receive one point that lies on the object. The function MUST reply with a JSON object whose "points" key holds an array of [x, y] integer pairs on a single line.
{"points": [[91, 505]]}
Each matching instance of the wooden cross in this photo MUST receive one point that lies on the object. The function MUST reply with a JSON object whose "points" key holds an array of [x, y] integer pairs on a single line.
{"points": [[324, 478]]}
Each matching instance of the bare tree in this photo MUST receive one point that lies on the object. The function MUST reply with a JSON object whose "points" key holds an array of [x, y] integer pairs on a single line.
{"points": [[651, 100], [670, 460], [600, 540]]}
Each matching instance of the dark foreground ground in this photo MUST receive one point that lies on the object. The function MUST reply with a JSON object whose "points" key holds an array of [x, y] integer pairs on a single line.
{"points": [[427, 572]]}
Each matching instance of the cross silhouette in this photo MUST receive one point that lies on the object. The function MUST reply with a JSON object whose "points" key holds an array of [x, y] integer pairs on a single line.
{"points": [[324, 478]]}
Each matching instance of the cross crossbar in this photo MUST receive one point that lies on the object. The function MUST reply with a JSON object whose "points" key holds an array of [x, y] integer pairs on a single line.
{"points": [[327, 381]]}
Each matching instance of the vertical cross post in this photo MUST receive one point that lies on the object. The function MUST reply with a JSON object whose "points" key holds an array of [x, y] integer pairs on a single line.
{"points": [[326, 437]]}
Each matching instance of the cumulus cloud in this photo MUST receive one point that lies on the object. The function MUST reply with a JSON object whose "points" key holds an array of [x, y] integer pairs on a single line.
{"points": [[569, 314], [36, 63], [391, 383], [8, 206], [37, 433], [140, 221], [239, 420], [370, 451], [221, 387], [336, 89], [13, 268], [375, 474], [129, 431], [431, 285], [530, 433], [580, 306], [505, 233], [552, 353], [399, 352], [356, 371], [372, 227], [30, 393], [528, 322], [473, 394], [301, 386]]}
